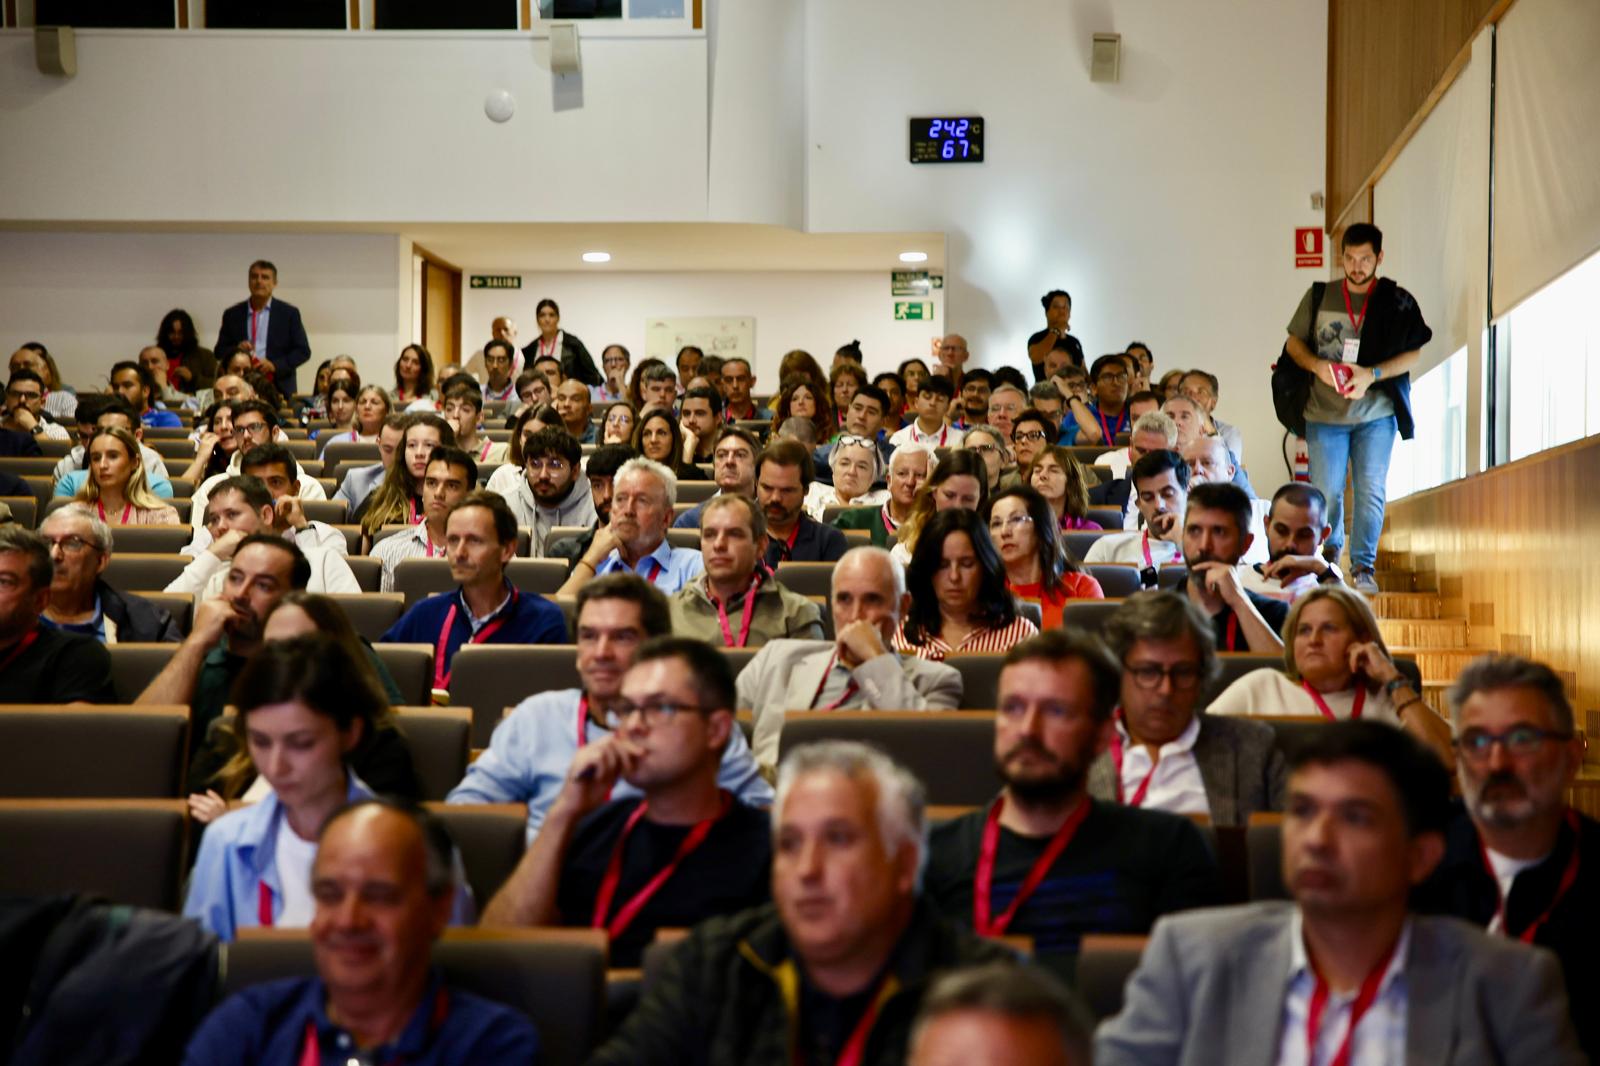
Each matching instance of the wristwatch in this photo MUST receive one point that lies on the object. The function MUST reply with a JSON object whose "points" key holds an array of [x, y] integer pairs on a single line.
{"points": [[1394, 686], [1331, 575], [1377, 372]]}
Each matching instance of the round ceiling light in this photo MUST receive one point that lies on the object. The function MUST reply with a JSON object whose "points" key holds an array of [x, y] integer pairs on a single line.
{"points": [[913, 257], [597, 257]]}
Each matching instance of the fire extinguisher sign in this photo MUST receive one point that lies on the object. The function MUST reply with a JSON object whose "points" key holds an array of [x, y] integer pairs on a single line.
{"points": [[1308, 247]]}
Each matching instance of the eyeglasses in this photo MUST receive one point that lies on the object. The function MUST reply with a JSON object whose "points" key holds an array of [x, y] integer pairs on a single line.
{"points": [[555, 466], [27, 395], [1015, 522], [71, 545], [252, 428], [983, 449], [851, 438], [654, 714], [1185, 676], [1519, 741], [615, 360], [1027, 435]]}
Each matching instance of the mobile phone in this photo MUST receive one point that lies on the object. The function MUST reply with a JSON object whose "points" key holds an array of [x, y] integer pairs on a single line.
{"points": [[1341, 376]]}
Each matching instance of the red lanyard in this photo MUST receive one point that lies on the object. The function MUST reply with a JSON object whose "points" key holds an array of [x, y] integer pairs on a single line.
{"points": [[788, 545], [311, 1050], [127, 509], [1116, 758], [583, 720], [484, 453], [22, 646], [263, 905], [1233, 632], [1148, 561], [744, 621], [1322, 704], [655, 572], [411, 510], [355, 434], [856, 1046], [923, 438], [254, 318], [889, 524], [428, 537], [850, 690], [441, 676], [1364, 1000], [1105, 427], [982, 923], [1354, 321], [608, 884], [1569, 876], [548, 349]]}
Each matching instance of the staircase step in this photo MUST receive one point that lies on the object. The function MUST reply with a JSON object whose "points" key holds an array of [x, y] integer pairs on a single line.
{"points": [[1433, 693], [1425, 632], [1406, 605], [1440, 666], [1389, 559], [1396, 580]]}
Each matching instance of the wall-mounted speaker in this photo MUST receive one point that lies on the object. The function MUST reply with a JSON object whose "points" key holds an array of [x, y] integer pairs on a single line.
{"points": [[564, 58], [1105, 59], [55, 49]]}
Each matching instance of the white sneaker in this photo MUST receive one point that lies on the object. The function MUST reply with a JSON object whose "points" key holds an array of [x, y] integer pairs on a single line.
{"points": [[1365, 582]]}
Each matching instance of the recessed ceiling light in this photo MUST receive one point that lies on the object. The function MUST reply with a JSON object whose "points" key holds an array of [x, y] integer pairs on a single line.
{"points": [[913, 257], [597, 257]]}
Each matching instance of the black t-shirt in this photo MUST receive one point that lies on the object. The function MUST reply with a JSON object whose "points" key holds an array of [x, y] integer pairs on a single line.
{"points": [[1073, 347], [815, 542], [729, 872], [1124, 868], [1273, 612], [59, 667]]}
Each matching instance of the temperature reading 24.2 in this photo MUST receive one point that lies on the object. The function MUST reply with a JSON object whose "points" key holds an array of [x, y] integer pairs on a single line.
{"points": [[947, 140]]}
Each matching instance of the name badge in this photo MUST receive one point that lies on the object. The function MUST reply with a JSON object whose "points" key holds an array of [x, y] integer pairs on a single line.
{"points": [[1352, 349]]}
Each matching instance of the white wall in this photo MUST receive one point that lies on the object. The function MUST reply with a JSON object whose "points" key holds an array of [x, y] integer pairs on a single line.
{"points": [[756, 169], [1165, 203], [811, 310], [317, 127], [95, 298]]}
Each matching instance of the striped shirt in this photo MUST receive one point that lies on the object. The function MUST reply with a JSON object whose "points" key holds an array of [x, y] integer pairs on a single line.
{"points": [[935, 649]]}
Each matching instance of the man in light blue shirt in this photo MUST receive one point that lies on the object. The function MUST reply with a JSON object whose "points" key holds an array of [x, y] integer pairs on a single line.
{"points": [[643, 493], [531, 750]]}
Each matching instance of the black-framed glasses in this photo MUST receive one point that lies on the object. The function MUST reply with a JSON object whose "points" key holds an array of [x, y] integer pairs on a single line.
{"points": [[72, 545], [1184, 676], [983, 449], [252, 428], [654, 714], [1519, 740], [1028, 434]]}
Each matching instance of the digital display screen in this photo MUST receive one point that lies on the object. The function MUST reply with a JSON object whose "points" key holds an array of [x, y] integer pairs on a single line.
{"points": [[947, 140]]}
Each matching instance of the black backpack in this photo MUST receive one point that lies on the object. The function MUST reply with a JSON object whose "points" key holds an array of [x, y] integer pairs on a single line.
{"points": [[1291, 385]]}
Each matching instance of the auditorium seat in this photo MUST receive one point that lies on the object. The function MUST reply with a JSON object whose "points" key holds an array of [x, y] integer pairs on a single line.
{"points": [[356, 453], [29, 465], [1079, 541], [696, 491], [180, 605], [1088, 453], [182, 488], [560, 534], [684, 538], [948, 751], [344, 468], [1109, 517], [556, 977], [131, 571], [42, 486], [1088, 614], [134, 666], [1264, 854], [371, 613], [1101, 474], [51, 448], [129, 851], [171, 447], [367, 570], [24, 510], [411, 666], [1171, 576], [1116, 579], [437, 738], [304, 451], [1105, 962], [420, 578], [491, 838], [105, 752], [151, 540], [352, 538], [329, 511], [155, 433], [491, 677], [807, 579], [980, 678], [857, 538]]}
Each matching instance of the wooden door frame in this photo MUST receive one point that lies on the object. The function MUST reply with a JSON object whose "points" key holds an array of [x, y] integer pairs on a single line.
{"points": [[438, 263]]}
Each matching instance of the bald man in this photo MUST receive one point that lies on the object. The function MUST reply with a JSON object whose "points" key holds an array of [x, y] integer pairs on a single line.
{"points": [[1210, 461]]}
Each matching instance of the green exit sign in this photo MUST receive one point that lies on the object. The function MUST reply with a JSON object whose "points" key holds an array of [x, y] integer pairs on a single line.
{"points": [[913, 310], [496, 281]]}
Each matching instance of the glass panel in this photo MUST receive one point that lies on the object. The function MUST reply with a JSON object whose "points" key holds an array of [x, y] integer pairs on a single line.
{"points": [[580, 9], [655, 9], [1438, 452], [122, 14], [456, 15], [276, 15], [1549, 344]]}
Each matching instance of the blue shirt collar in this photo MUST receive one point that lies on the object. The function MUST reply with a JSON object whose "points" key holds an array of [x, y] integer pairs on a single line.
{"points": [[413, 1042]]}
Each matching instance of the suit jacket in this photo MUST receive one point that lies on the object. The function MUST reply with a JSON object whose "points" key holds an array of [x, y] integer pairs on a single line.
{"points": [[1242, 769], [786, 674], [1210, 990], [1112, 493], [287, 346]]}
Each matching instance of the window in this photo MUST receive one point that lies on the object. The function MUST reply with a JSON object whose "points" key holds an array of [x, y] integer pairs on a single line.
{"points": [[456, 15], [1438, 451], [137, 14], [1548, 348], [276, 15]]}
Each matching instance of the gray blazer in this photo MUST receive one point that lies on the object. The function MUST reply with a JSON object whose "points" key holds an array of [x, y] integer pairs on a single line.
{"points": [[785, 675], [1210, 990], [1240, 765]]}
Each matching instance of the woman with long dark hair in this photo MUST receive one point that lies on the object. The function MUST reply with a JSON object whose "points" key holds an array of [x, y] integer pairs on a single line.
{"points": [[1038, 568], [398, 498], [658, 436], [190, 367], [958, 480], [413, 378], [959, 599], [802, 397], [555, 343]]}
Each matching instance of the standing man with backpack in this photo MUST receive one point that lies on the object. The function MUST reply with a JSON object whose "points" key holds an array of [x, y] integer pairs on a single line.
{"points": [[1345, 386]]}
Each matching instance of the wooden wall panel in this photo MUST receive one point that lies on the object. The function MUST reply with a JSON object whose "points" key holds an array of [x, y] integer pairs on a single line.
{"points": [[1387, 63], [1515, 552]]}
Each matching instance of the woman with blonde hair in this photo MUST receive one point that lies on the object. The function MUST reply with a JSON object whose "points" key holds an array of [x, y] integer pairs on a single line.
{"points": [[117, 485], [1061, 480], [958, 480], [1336, 666]]}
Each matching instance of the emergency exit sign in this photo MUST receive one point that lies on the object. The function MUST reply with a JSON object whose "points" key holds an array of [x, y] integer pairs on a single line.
{"points": [[913, 310], [496, 281]]}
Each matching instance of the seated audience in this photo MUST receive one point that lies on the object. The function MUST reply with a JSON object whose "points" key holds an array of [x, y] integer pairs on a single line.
{"points": [[1168, 386], [1188, 416], [255, 422], [1006, 402], [190, 367], [784, 474], [659, 438], [858, 670], [1037, 566], [548, 488], [1160, 481], [1045, 859], [957, 482], [413, 380], [484, 607], [80, 600], [1150, 433], [1165, 754], [137, 388], [369, 413], [572, 401], [909, 468], [1296, 529], [359, 482], [1335, 665], [221, 771], [738, 379], [242, 508], [59, 399], [451, 474], [931, 403], [532, 748], [975, 386], [1101, 421], [990, 445], [397, 500], [997, 1015], [1513, 856], [855, 466], [601, 468], [844, 381], [687, 362], [1151, 430], [214, 442], [862, 417], [617, 427], [733, 466], [339, 409], [655, 385], [1344, 971], [1073, 383], [1058, 476], [800, 430], [642, 497], [499, 365], [41, 663], [1210, 462], [380, 888], [24, 415], [116, 485], [1216, 536], [681, 852], [737, 602], [959, 599], [843, 956], [154, 359], [805, 397], [1203, 389], [699, 418], [96, 411], [533, 392], [462, 408], [1031, 433], [894, 390], [302, 706], [913, 372], [614, 363]]}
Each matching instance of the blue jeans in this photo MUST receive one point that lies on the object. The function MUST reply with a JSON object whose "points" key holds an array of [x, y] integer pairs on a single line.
{"points": [[1332, 449]]}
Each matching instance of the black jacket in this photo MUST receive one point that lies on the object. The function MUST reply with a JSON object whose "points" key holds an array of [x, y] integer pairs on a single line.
{"points": [[287, 346], [138, 620], [721, 997], [576, 362]]}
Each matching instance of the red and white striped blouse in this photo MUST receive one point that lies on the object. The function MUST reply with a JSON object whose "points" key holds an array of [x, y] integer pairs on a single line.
{"points": [[991, 640]]}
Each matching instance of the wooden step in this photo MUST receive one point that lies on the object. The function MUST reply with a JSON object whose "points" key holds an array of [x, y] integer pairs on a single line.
{"points": [[1406, 605], [1440, 666], [1433, 693], [1425, 633]]}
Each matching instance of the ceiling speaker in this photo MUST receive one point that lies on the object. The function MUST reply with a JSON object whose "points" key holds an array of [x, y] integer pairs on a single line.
{"points": [[564, 57], [1105, 60]]}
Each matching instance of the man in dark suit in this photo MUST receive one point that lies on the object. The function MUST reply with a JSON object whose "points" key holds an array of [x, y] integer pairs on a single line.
{"points": [[1165, 755], [266, 328]]}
